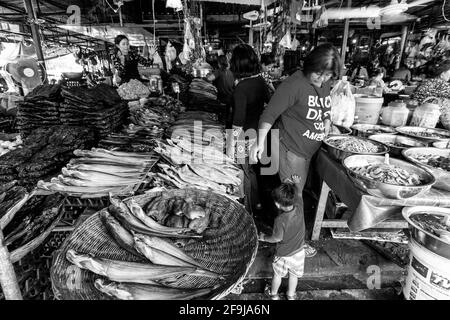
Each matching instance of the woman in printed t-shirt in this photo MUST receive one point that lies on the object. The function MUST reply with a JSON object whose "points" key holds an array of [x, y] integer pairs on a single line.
{"points": [[300, 109]]}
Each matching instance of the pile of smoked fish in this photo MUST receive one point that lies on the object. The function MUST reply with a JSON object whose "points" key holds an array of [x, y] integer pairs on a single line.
{"points": [[147, 232]]}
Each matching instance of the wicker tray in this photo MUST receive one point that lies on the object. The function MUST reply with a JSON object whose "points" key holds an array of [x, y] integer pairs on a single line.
{"points": [[229, 250]]}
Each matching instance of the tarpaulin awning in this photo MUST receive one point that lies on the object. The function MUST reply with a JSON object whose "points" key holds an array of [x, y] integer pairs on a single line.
{"points": [[136, 35]]}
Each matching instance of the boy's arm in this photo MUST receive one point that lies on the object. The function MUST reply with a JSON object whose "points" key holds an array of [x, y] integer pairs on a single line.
{"points": [[277, 234]]}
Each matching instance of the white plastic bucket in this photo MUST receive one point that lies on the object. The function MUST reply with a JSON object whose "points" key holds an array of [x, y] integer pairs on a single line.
{"points": [[368, 109], [428, 275]]}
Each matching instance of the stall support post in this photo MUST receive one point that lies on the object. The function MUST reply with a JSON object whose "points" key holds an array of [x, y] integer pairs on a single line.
{"points": [[35, 33], [250, 34], [345, 38], [402, 46], [8, 279]]}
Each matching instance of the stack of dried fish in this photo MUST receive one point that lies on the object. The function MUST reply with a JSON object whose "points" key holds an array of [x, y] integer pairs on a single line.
{"points": [[154, 118], [35, 216], [44, 152], [203, 97], [203, 89], [99, 108], [147, 123], [143, 234], [127, 141], [40, 108], [98, 172], [198, 127]]}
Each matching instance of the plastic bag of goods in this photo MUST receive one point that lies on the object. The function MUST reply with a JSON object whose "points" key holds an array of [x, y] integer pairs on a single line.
{"points": [[427, 114], [342, 104]]}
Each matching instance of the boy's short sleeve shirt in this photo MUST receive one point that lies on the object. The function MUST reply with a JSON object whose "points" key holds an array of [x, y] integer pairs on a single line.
{"points": [[289, 227]]}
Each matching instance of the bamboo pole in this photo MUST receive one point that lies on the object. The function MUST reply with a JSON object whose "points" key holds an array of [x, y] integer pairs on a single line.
{"points": [[8, 279], [345, 38]]}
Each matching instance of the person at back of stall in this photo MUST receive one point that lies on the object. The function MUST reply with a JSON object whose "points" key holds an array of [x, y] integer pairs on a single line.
{"points": [[249, 96], [377, 81], [267, 63], [289, 235], [126, 59], [360, 73], [223, 79], [402, 74]]}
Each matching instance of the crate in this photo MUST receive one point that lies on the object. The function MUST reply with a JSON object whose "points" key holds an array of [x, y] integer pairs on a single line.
{"points": [[33, 270]]}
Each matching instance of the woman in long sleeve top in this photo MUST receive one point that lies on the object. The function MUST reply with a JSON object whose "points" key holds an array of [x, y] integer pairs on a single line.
{"points": [[300, 109], [126, 60], [249, 96]]}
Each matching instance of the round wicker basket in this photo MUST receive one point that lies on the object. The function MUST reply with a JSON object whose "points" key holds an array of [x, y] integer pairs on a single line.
{"points": [[229, 249]]}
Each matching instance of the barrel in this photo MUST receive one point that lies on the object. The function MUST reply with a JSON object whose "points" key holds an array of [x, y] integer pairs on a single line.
{"points": [[428, 275], [368, 109]]}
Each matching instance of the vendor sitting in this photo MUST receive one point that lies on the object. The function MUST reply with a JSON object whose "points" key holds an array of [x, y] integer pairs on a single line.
{"points": [[126, 59], [377, 80], [360, 73], [402, 74]]}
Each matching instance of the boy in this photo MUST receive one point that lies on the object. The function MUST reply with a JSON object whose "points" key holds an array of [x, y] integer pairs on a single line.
{"points": [[289, 234]]}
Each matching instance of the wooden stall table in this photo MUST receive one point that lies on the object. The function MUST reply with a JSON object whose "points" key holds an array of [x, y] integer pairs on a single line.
{"points": [[367, 211]]}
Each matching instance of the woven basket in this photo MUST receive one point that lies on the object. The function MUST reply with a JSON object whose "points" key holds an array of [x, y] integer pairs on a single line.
{"points": [[229, 249]]}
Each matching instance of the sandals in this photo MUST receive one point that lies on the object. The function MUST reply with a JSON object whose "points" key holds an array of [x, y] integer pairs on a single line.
{"points": [[268, 294], [294, 297], [309, 251]]}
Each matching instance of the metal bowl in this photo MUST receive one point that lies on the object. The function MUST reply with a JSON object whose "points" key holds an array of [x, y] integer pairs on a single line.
{"points": [[424, 237], [73, 75], [444, 144], [339, 130], [340, 154], [200, 72], [416, 131], [442, 176], [366, 130], [391, 139], [378, 188]]}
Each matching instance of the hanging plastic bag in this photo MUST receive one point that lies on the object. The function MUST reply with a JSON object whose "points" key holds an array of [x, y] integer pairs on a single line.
{"points": [[343, 104], [286, 40]]}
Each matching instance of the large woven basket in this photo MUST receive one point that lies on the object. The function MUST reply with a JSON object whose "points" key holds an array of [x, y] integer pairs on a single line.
{"points": [[229, 249]]}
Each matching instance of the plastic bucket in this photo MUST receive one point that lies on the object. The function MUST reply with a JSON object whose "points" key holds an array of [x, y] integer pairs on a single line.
{"points": [[368, 109], [428, 275]]}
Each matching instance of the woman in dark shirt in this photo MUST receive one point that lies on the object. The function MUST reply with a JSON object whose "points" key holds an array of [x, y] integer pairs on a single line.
{"points": [[126, 59], [223, 79], [249, 96], [300, 110]]}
